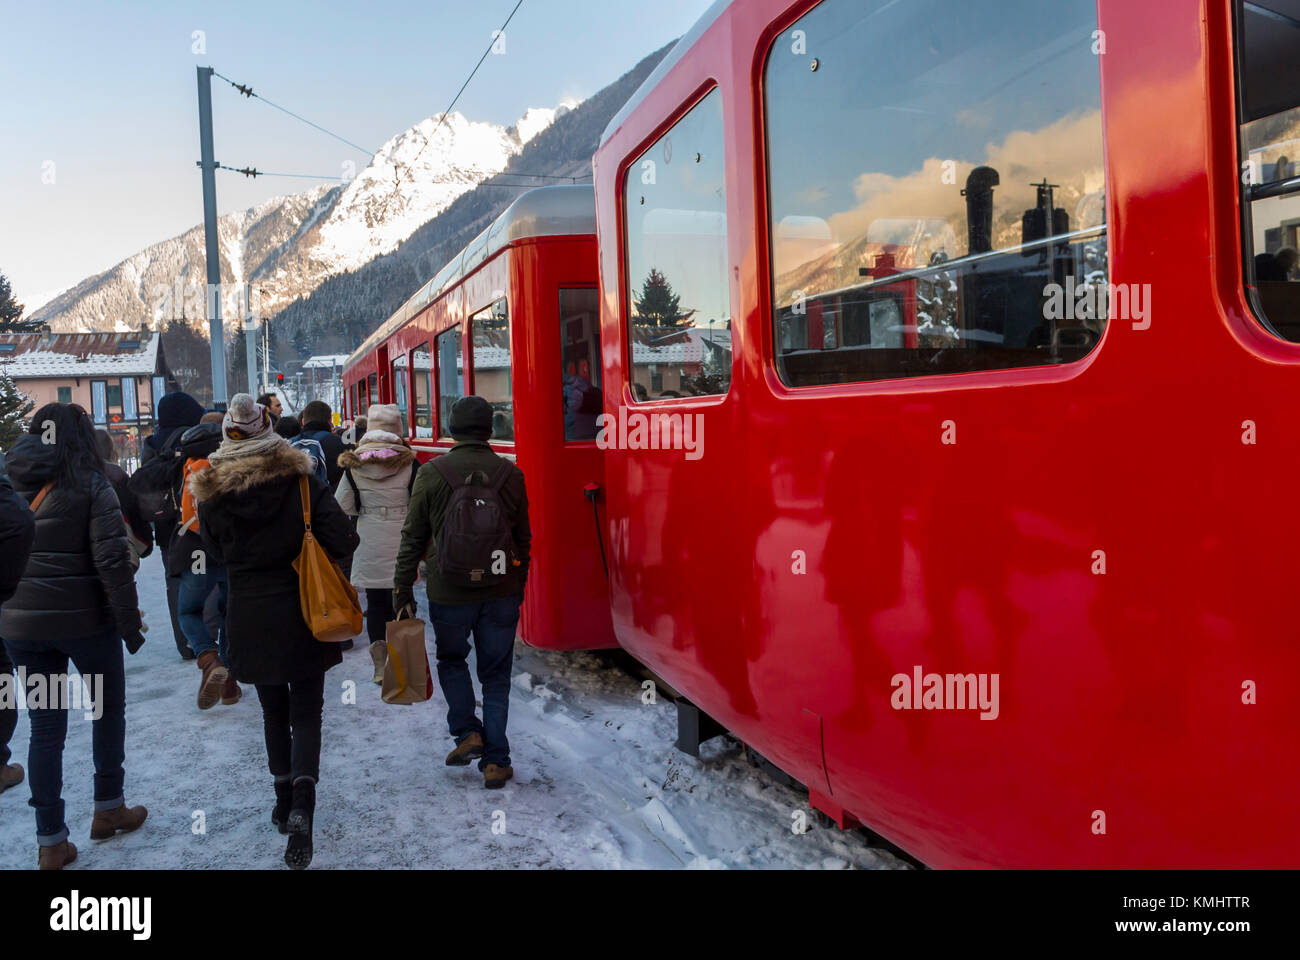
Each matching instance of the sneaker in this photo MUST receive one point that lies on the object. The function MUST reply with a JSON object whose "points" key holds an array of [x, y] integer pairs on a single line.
{"points": [[471, 748], [231, 692], [495, 776], [56, 857], [213, 681], [379, 657], [123, 819], [11, 774]]}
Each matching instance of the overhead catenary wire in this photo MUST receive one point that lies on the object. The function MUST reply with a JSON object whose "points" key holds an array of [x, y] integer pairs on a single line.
{"points": [[397, 183], [254, 173], [248, 92]]}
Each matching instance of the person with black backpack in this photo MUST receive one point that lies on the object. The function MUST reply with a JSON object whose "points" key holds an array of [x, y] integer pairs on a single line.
{"points": [[468, 520], [156, 485], [17, 528]]}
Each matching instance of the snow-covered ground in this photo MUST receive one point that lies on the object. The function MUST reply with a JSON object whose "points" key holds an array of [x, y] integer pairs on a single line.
{"points": [[597, 781]]}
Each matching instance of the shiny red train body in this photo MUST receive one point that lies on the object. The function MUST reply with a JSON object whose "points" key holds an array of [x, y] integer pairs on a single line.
{"points": [[944, 356]]}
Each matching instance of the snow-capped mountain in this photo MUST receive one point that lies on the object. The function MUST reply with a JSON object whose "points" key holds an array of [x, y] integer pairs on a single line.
{"points": [[286, 247]]}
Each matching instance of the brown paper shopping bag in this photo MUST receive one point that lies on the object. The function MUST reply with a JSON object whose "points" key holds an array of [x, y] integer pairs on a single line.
{"points": [[407, 677]]}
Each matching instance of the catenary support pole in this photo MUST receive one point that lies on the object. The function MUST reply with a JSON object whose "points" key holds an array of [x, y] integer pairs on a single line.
{"points": [[213, 256]]}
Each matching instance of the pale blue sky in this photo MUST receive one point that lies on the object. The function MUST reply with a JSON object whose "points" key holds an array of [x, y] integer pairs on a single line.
{"points": [[106, 92]]}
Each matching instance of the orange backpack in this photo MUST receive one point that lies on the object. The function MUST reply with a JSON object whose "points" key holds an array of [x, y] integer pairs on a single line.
{"points": [[329, 602]]}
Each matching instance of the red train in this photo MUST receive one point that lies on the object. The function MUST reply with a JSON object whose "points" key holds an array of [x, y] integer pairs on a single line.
{"points": [[942, 346]]}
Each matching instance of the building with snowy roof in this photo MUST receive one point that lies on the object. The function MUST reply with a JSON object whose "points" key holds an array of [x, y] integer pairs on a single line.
{"points": [[117, 377]]}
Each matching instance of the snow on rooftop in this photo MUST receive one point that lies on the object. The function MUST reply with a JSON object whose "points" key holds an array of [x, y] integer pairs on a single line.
{"points": [[52, 355]]}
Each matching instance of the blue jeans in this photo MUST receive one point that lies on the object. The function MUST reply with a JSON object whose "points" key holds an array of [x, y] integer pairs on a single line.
{"points": [[493, 625], [195, 588], [92, 656]]}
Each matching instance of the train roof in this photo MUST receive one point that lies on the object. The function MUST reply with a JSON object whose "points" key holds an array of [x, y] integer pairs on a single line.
{"points": [[682, 47], [561, 211]]}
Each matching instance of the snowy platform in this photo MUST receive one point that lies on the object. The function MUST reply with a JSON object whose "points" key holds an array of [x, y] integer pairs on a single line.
{"points": [[597, 781]]}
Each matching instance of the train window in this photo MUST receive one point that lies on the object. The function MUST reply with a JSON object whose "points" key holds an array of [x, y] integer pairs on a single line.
{"points": [[352, 400], [679, 309], [363, 398], [582, 399], [1269, 79], [422, 374], [400, 392], [450, 379], [373, 391], [937, 188], [490, 329]]}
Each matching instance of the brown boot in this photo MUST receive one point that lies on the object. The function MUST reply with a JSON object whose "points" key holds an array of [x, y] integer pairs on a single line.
{"points": [[379, 657], [495, 777], [214, 679], [56, 857], [230, 692], [471, 748], [109, 822], [10, 776]]}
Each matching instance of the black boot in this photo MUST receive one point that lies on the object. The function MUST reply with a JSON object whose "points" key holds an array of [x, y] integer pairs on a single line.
{"points": [[297, 854], [283, 804]]}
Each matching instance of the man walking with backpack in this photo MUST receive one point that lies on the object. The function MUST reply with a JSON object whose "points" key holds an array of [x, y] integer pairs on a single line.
{"points": [[468, 519]]}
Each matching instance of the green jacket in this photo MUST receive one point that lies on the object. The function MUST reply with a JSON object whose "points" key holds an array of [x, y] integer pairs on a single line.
{"points": [[424, 522]]}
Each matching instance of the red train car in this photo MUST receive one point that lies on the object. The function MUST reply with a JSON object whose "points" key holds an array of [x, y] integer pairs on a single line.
{"points": [[514, 319], [1004, 574]]}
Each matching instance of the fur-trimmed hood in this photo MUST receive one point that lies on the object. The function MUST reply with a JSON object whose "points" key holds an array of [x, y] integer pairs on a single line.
{"points": [[239, 476], [383, 457]]}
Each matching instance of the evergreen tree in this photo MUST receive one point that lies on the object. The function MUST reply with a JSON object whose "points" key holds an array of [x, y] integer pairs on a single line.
{"points": [[658, 305], [14, 409], [11, 312]]}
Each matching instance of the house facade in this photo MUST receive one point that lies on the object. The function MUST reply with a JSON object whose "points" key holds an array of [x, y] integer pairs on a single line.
{"points": [[116, 377]]}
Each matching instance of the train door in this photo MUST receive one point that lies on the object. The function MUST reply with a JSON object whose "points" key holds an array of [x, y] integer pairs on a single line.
{"points": [[936, 419]]}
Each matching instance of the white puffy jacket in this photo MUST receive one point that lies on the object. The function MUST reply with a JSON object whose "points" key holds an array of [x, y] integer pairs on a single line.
{"points": [[381, 468]]}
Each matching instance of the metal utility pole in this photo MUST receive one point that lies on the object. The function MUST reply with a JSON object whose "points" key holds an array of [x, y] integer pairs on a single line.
{"points": [[213, 256], [250, 348]]}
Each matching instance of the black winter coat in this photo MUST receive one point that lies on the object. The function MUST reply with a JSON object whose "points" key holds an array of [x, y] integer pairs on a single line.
{"points": [[333, 446], [250, 519], [79, 581], [16, 532]]}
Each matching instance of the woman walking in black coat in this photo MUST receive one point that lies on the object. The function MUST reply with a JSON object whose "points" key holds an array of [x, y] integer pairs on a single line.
{"points": [[77, 602], [16, 531], [250, 519]]}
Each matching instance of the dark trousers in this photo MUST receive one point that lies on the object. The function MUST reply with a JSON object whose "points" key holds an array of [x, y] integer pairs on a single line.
{"points": [[379, 610], [174, 607], [291, 719], [493, 624], [8, 716], [93, 656]]}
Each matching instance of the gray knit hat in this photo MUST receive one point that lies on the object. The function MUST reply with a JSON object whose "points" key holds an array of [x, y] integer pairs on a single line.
{"points": [[246, 419]]}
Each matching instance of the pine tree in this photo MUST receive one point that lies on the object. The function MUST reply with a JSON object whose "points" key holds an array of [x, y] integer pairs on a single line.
{"points": [[658, 305], [11, 312], [14, 408]]}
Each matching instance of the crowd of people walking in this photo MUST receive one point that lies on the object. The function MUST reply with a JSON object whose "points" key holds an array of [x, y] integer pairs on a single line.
{"points": [[229, 499]]}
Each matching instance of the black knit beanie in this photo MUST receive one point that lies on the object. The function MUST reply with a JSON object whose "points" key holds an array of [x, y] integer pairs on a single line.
{"points": [[471, 419]]}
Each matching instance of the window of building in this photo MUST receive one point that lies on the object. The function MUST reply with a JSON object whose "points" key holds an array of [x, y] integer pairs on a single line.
{"points": [[422, 373], [130, 407], [583, 401], [679, 298], [450, 376], [490, 329], [937, 188], [115, 399], [400, 394], [65, 394], [99, 401], [1269, 82]]}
